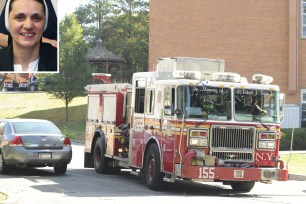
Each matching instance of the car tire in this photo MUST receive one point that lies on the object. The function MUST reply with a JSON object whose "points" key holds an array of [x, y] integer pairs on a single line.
{"points": [[60, 169], [4, 169], [152, 175], [101, 163]]}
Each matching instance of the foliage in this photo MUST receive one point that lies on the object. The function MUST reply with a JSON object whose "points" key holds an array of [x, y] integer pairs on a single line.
{"points": [[2, 78], [123, 27], [75, 72], [299, 139]]}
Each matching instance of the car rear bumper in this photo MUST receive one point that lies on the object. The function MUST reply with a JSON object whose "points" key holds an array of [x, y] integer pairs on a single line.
{"points": [[22, 156]]}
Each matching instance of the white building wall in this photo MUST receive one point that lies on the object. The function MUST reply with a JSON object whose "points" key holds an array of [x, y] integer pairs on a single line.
{"points": [[292, 118]]}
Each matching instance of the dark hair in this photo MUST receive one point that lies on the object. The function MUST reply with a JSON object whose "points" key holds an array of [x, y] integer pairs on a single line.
{"points": [[39, 1]]}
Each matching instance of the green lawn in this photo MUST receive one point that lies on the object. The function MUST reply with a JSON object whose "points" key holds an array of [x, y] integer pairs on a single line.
{"points": [[296, 164], [44, 106]]}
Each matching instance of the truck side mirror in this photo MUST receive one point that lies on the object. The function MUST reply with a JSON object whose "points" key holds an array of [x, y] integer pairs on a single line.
{"points": [[178, 113]]}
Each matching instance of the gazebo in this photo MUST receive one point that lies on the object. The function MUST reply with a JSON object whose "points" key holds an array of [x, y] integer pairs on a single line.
{"points": [[106, 61]]}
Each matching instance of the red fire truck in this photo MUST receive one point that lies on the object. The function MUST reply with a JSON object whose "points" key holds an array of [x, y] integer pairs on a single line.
{"points": [[187, 120]]}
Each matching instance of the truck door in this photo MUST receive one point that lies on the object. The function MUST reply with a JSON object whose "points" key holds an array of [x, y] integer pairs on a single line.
{"points": [[137, 125], [168, 130]]}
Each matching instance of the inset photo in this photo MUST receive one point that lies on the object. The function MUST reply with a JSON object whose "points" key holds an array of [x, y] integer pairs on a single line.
{"points": [[28, 36]]}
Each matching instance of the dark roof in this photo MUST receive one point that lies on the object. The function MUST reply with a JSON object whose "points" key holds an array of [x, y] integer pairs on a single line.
{"points": [[99, 53]]}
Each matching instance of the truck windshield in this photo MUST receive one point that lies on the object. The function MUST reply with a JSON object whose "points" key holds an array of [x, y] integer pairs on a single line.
{"points": [[256, 105], [204, 102]]}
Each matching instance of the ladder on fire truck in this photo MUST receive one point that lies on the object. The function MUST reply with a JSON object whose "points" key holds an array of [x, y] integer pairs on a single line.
{"points": [[109, 87]]}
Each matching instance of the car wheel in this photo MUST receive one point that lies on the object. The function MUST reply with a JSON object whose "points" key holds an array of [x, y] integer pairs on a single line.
{"points": [[152, 175], [101, 163], [243, 186], [60, 169], [4, 169]]}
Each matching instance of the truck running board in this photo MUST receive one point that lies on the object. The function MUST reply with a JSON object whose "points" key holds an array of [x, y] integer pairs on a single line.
{"points": [[135, 173], [169, 178]]}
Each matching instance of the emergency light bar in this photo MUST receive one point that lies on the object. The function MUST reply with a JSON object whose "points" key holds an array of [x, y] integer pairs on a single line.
{"points": [[181, 74], [226, 77], [262, 79]]}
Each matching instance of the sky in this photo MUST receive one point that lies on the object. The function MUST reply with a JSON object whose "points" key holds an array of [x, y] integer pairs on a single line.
{"points": [[65, 7]]}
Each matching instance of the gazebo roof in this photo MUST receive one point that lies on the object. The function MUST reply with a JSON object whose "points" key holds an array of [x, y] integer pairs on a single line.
{"points": [[99, 53]]}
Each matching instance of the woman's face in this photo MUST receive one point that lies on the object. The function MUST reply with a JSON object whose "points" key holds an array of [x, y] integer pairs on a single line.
{"points": [[26, 21]]}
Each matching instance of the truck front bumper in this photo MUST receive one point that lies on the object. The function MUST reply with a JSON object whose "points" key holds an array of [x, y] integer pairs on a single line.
{"points": [[212, 171], [207, 173]]}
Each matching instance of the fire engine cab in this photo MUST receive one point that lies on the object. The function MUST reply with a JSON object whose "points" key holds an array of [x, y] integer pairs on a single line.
{"points": [[188, 120]]}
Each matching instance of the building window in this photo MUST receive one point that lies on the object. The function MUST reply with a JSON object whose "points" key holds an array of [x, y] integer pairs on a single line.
{"points": [[303, 104], [303, 17]]}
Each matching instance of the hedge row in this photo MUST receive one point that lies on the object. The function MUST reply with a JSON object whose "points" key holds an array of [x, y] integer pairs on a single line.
{"points": [[299, 139]]}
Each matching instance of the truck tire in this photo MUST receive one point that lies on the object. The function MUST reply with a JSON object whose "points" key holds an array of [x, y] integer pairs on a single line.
{"points": [[152, 175], [243, 186], [4, 169], [101, 163]]}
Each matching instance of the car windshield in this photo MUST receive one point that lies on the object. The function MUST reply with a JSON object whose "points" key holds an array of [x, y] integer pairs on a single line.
{"points": [[26, 127], [204, 102], [257, 105]]}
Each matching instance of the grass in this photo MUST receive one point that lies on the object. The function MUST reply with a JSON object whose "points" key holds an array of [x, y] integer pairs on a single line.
{"points": [[44, 106], [296, 164]]}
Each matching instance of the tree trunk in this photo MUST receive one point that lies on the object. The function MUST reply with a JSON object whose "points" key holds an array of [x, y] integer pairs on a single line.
{"points": [[66, 103]]}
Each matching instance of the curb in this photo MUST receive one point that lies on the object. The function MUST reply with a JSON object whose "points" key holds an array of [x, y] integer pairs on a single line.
{"points": [[297, 177]]}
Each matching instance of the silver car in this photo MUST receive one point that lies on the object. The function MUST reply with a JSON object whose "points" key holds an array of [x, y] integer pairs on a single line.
{"points": [[33, 143]]}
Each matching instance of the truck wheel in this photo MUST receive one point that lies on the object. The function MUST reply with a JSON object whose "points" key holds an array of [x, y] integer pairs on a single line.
{"points": [[101, 164], [152, 175], [243, 186], [4, 169], [60, 169]]}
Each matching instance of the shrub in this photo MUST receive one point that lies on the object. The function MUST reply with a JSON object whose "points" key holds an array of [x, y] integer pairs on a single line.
{"points": [[299, 139]]}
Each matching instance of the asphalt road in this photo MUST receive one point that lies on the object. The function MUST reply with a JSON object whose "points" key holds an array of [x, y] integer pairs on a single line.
{"points": [[79, 186]]}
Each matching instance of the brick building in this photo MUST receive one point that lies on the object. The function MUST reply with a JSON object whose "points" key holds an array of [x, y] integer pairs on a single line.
{"points": [[253, 36]]}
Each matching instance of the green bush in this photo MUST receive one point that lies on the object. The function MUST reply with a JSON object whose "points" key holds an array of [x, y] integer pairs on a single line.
{"points": [[299, 139]]}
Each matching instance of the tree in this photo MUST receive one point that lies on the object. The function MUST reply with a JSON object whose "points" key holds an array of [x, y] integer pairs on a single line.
{"points": [[2, 78], [123, 26], [75, 72], [127, 34], [92, 17]]}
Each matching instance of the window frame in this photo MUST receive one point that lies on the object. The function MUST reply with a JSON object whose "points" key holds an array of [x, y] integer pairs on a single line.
{"points": [[150, 101], [303, 15], [303, 102], [169, 100], [140, 94]]}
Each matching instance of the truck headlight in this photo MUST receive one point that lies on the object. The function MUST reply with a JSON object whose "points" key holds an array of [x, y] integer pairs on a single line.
{"points": [[266, 140], [198, 141], [198, 137], [266, 144]]}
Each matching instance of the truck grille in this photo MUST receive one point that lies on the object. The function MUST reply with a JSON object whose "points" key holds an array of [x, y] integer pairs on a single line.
{"points": [[233, 143]]}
